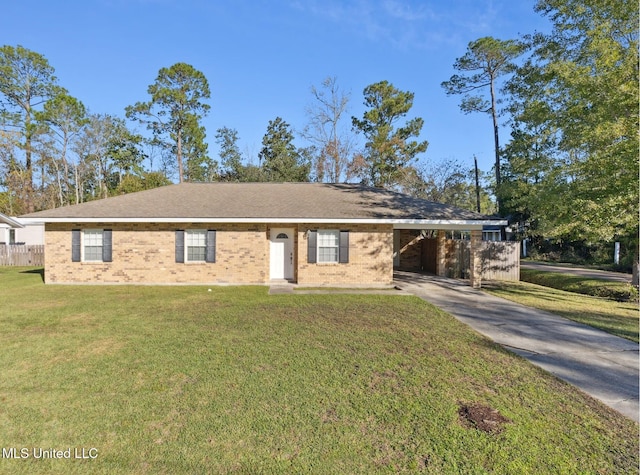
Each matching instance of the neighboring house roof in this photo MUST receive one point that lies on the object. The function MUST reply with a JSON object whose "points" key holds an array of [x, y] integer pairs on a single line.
{"points": [[10, 221], [264, 202]]}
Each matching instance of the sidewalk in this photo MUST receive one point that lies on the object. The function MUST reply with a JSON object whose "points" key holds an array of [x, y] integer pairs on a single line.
{"points": [[602, 365]]}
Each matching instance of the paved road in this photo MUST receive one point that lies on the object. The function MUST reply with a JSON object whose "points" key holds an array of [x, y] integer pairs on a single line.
{"points": [[602, 365], [581, 271]]}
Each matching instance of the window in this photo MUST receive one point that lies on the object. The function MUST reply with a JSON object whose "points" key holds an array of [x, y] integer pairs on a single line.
{"points": [[491, 236], [12, 236], [91, 245], [196, 246], [328, 246], [459, 235]]}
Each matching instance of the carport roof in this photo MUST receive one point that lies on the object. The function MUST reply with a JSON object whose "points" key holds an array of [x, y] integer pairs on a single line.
{"points": [[265, 202]]}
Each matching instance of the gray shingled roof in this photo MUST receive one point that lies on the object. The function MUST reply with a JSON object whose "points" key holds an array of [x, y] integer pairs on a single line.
{"points": [[260, 201]]}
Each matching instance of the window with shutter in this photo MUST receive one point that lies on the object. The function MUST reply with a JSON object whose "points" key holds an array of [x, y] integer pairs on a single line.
{"points": [[328, 246], [91, 245], [196, 245]]}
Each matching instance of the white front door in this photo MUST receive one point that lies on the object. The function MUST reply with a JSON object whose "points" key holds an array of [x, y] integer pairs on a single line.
{"points": [[281, 254]]}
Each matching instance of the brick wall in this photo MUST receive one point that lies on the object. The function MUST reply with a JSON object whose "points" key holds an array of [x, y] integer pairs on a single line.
{"points": [[370, 257], [410, 250], [145, 253]]}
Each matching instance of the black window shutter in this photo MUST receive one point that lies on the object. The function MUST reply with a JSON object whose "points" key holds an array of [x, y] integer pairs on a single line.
{"points": [[211, 246], [179, 246], [312, 239], [343, 252], [75, 245], [106, 245]]}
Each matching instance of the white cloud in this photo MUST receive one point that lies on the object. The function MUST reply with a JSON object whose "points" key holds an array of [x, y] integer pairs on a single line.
{"points": [[408, 24], [403, 10]]}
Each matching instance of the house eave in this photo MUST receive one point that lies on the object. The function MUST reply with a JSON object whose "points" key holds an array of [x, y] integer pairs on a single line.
{"points": [[10, 221], [396, 223], [457, 224]]}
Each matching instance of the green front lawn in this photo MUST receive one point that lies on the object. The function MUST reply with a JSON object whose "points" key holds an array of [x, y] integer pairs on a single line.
{"points": [[618, 291], [187, 380], [618, 318]]}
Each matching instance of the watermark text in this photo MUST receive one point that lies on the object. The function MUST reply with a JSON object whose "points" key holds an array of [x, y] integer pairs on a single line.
{"points": [[68, 453]]}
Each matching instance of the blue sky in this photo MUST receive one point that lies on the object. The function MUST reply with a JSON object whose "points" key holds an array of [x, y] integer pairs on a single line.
{"points": [[262, 56]]}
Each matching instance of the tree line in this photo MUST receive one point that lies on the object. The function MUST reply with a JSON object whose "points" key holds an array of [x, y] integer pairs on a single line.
{"points": [[567, 178], [53, 152], [567, 172]]}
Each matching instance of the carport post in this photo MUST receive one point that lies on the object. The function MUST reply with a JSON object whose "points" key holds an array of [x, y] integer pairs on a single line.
{"points": [[441, 255], [475, 265]]}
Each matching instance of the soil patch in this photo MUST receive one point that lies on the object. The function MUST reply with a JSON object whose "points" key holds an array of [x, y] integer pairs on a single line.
{"points": [[482, 417]]}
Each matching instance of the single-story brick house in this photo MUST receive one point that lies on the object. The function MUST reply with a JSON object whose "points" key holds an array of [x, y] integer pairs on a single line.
{"points": [[246, 233]]}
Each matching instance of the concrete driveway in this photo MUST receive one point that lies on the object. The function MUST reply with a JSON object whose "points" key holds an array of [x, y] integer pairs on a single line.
{"points": [[600, 364]]}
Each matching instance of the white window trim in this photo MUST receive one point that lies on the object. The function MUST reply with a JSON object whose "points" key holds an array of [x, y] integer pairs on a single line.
{"points": [[83, 257], [491, 236], [188, 232], [335, 232]]}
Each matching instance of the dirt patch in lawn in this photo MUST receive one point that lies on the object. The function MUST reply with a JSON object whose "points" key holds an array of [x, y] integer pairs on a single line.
{"points": [[482, 417]]}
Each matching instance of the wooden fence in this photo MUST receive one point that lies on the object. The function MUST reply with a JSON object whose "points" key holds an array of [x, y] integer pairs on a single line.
{"points": [[21, 255], [500, 260]]}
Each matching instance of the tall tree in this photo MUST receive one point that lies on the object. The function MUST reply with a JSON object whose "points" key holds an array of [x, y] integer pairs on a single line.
{"points": [[279, 158], [526, 166], [174, 112], [12, 200], [62, 120], [332, 143], [486, 60], [388, 149], [27, 81], [132, 183], [230, 156], [578, 96], [199, 166], [449, 182], [109, 151]]}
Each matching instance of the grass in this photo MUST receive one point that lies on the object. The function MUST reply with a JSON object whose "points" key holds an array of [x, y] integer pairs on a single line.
{"points": [[182, 380], [619, 291], [618, 318]]}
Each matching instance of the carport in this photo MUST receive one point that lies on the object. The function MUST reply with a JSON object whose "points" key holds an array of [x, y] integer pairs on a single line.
{"points": [[424, 247]]}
